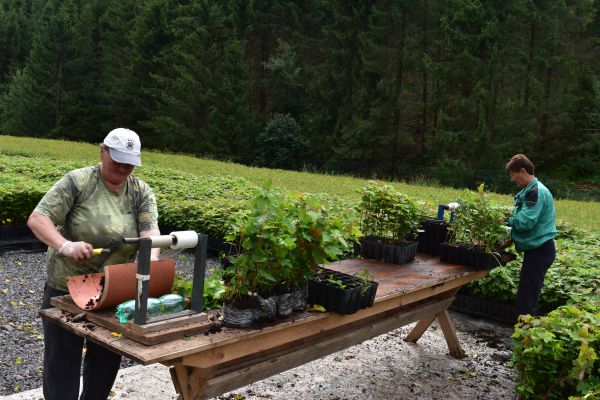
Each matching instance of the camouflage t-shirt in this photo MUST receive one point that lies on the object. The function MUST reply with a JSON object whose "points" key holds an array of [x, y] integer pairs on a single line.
{"points": [[84, 209]]}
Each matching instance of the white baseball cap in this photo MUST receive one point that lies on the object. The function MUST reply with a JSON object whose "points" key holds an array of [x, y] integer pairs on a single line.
{"points": [[124, 146]]}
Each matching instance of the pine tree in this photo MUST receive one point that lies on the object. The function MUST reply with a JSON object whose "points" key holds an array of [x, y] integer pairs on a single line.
{"points": [[200, 91], [15, 36], [40, 88], [334, 139], [150, 36], [57, 83], [115, 94]]}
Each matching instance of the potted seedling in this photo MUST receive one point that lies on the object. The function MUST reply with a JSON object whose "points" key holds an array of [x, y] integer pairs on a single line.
{"points": [[390, 222], [280, 242], [477, 236], [325, 231], [336, 291], [264, 239], [368, 287]]}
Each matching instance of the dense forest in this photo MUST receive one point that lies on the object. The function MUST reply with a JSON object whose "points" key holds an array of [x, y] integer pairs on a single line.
{"points": [[445, 90]]}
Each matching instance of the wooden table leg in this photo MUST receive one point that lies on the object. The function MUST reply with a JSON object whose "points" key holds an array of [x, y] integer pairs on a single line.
{"points": [[420, 329], [450, 335], [423, 324], [447, 330], [190, 382]]}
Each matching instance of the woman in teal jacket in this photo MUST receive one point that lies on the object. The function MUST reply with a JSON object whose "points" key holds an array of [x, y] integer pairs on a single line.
{"points": [[532, 230]]}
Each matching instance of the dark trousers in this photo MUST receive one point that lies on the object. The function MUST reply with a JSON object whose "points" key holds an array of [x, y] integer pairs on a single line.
{"points": [[62, 362], [535, 265]]}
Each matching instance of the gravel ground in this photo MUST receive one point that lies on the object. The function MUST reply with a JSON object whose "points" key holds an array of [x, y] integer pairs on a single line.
{"points": [[385, 367]]}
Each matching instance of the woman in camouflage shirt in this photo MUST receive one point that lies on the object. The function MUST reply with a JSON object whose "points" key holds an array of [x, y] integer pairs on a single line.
{"points": [[90, 207]]}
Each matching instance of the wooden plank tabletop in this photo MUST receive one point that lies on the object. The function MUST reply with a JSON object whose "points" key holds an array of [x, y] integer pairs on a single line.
{"points": [[394, 279], [399, 285]]}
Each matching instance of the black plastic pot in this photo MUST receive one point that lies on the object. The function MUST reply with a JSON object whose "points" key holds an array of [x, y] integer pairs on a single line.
{"points": [[434, 232], [19, 236], [494, 310], [473, 257], [377, 249], [368, 296], [344, 299], [453, 253]]}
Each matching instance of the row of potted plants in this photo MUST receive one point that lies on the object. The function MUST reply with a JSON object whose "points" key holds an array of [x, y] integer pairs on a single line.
{"points": [[478, 236]]}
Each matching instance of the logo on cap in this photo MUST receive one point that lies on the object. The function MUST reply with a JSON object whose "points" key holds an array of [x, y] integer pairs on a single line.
{"points": [[129, 144]]}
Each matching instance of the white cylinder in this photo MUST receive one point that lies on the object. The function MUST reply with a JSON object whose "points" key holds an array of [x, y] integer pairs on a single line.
{"points": [[453, 206], [161, 241], [184, 239]]}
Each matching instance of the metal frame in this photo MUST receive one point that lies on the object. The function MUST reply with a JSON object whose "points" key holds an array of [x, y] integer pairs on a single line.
{"points": [[140, 316], [441, 209]]}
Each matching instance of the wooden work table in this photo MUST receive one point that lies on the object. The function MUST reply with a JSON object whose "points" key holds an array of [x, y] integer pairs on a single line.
{"points": [[207, 365]]}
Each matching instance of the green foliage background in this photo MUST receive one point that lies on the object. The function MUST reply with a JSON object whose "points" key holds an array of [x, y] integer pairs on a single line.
{"points": [[441, 89]]}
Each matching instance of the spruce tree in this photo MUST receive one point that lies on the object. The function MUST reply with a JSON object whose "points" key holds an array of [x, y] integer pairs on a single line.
{"points": [[200, 90], [115, 94], [15, 36]]}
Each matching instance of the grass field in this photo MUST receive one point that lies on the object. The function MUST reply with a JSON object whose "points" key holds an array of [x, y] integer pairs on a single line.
{"points": [[582, 214]]}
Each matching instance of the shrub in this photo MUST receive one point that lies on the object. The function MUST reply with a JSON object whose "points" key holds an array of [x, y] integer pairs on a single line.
{"points": [[556, 356], [281, 144], [387, 214], [281, 240]]}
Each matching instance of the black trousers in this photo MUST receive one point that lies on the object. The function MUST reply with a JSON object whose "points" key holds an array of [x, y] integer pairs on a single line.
{"points": [[535, 265], [62, 362]]}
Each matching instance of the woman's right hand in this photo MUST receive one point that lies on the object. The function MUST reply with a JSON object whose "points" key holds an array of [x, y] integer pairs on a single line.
{"points": [[76, 250]]}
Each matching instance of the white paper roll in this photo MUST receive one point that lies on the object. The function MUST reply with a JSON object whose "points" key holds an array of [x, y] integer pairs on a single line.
{"points": [[161, 241], [453, 206], [184, 239]]}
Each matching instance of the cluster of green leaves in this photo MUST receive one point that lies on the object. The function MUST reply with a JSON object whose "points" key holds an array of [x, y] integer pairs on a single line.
{"points": [[556, 356], [214, 288], [338, 282], [388, 214], [24, 181], [478, 221], [282, 239], [184, 201], [326, 229], [365, 278], [264, 235]]}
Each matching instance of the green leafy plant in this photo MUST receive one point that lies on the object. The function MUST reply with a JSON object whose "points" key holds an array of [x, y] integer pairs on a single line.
{"points": [[282, 239], [556, 356], [265, 237], [338, 282], [478, 222], [214, 289], [388, 214], [325, 231], [365, 279]]}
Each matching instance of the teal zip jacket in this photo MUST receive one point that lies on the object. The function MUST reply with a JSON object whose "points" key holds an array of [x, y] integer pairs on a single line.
{"points": [[532, 219]]}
